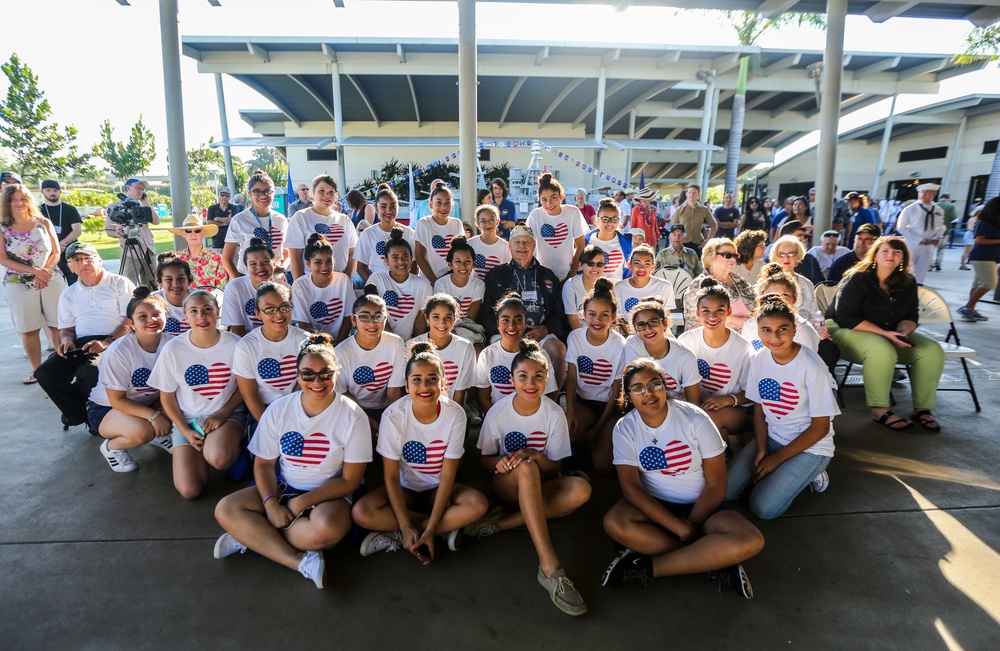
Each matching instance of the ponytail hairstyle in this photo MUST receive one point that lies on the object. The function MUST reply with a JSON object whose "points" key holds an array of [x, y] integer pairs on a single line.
{"points": [[424, 351], [458, 244], [269, 287], [603, 291], [319, 344], [634, 367], [369, 296], [395, 240], [317, 243], [143, 294], [774, 274], [169, 259], [438, 189], [439, 299], [529, 351], [652, 304], [257, 244], [510, 300], [258, 176], [712, 288], [609, 204], [548, 182], [383, 191], [773, 305]]}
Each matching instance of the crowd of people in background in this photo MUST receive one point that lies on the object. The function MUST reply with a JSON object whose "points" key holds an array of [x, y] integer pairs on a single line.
{"points": [[297, 346]]}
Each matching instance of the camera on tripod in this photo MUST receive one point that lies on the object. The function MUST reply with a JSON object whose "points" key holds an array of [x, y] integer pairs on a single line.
{"points": [[130, 214]]}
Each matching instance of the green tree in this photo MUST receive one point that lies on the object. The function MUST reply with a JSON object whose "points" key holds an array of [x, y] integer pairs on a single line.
{"points": [[984, 43], [204, 160], [126, 160], [38, 147], [270, 160]]}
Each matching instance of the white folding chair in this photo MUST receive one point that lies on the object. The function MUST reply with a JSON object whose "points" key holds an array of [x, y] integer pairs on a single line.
{"points": [[935, 311], [826, 293], [680, 279]]}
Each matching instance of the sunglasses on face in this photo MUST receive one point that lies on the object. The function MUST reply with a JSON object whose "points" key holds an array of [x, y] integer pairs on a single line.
{"points": [[727, 255], [309, 376], [188, 231], [599, 265], [610, 220]]}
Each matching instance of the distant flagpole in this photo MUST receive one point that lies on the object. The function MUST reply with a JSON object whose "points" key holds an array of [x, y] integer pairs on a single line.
{"points": [[291, 191], [413, 197]]}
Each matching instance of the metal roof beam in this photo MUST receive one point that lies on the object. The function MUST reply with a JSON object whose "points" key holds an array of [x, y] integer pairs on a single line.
{"points": [[611, 57], [761, 155], [271, 97], [400, 53], [652, 92], [510, 98], [760, 99], [641, 131], [567, 89], [925, 119], [878, 66], [984, 16], [259, 52], [364, 98], [726, 94], [772, 8], [886, 9], [666, 59], [922, 69], [782, 64], [191, 52], [416, 105], [614, 88], [329, 52], [768, 140], [961, 70], [542, 56], [306, 86], [726, 62], [793, 103]]}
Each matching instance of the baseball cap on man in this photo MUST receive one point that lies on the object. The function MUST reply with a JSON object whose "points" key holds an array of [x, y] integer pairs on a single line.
{"points": [[678, 227], [224, 190], [10, 176], [50, 184], [134, 181], [870, 228], [522, 229], [81, 247]]}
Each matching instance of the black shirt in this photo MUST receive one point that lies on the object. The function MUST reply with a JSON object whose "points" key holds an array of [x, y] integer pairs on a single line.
{"points": [[62, 217], [860, 298], [216, 211]]}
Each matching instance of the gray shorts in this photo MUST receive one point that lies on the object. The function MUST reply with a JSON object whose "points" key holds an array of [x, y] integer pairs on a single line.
{"points": [[985, 274], [239, 417]]}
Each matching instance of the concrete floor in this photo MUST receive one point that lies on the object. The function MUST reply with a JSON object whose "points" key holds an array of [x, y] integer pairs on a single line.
{"points": [[901, 551]]}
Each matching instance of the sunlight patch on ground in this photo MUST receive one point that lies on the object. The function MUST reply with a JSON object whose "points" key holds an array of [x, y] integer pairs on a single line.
{"points": [[894, 466]]}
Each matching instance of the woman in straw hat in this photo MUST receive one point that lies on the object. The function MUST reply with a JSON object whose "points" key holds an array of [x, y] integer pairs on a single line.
{"points": [[206, 264], [644, 216]]}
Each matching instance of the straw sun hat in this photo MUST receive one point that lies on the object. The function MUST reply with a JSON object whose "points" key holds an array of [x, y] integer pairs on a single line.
{"points": [[194, 221]]}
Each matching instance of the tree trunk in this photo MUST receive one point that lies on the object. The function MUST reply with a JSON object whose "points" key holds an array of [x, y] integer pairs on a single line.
{"points": [[736, 129]]}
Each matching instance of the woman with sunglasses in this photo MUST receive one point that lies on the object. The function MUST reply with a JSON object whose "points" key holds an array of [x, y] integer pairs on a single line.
{"points": [[574, 290], [257, 221], [207, 269], [719, 257], [617, 246]]}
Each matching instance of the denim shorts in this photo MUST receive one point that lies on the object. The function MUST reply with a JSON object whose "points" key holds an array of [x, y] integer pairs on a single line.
{"points": [[95, 415]]}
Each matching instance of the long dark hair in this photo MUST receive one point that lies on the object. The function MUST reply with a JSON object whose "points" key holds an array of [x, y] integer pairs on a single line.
{"points": [[900, 279]]}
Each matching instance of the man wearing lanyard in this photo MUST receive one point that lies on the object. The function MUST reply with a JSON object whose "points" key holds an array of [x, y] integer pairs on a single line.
{"points": [[539, 288], [66, 221]]}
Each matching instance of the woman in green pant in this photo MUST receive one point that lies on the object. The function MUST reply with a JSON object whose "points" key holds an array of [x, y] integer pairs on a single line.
{"points": [[873, 322]]}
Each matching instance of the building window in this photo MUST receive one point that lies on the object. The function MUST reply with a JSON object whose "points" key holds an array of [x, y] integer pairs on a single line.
{"points": [[930, 153], [321, 154], [990, 146]]}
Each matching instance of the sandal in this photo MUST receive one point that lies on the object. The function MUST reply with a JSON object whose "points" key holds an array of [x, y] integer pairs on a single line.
{"points": [[895, 425], [30, 379], [926, 420]]}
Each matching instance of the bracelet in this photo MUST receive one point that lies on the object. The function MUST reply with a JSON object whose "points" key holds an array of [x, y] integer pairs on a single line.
{"points": [[153, 417], [266, 498], [736, 403]]}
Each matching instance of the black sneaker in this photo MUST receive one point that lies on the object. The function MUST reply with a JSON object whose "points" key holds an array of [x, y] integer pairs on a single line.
{"points": [[629, 567], [731, 578]]}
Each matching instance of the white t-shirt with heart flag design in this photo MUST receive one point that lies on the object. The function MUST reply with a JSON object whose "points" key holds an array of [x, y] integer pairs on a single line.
{"points": [[805, 334], [724, 369], [271, 364], [669, 457], [324, 308], [555, 236], [473, 291], [437, 240], [201, 379], [628, 296], [614, 257], [421, 448], [176, 323], [597, 367], [493, 371], [792, 395], [504, 431], [366, 374], [245, 226], [459, 361], [312, 450], [403, 300], [371, 247], [679, 364], [238, 302], [335, 227], [489, 255], [125, 366]]}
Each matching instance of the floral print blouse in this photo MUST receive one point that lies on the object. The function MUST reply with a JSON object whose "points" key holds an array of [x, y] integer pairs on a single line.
{"points": [[32, 248], [206, 267]]}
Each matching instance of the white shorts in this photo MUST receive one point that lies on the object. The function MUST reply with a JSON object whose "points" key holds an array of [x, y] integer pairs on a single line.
{"points": [[30, 309]]}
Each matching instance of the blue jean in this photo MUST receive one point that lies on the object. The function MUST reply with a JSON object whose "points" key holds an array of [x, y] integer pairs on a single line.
{"points": [[771, 497]]}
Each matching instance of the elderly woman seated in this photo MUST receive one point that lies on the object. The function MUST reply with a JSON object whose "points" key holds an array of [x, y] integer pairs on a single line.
{"points": [[874, 320], [750, 254], [718, 255]]}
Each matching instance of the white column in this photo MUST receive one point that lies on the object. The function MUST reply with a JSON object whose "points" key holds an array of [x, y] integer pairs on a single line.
{"points": [[829, 113], [227, 152], [628, 152], [959, 137], [467, 106], [711, 140], [338, 122], [886, 134], [180, 186], [602, 85], [706, 125]]}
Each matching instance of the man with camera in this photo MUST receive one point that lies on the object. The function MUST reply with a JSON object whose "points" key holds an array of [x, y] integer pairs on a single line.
{"points": [[127, 221]]}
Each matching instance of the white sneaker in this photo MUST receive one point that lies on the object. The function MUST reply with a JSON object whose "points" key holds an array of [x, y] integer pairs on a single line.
{"points": [[165, 443], [453, 539], [821, 483], [226, 545], [119, 460], [381, 541], [313, 567]]}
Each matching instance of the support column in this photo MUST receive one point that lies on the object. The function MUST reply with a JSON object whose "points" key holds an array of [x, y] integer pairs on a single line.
{"points": [[338, 122], [711, 140], [706, 124], [180, 185], [602, 86], [953, 159], [628, 152], [886, 134], [829, 113], [227, 152], [467, 106]]}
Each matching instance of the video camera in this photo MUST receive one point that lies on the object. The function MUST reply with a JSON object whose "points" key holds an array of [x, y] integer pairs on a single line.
{"points": [[130, 212]]}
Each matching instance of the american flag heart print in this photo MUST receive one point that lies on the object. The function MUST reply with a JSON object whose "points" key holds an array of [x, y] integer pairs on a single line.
{"points": [[757, 344], [139, 379], [207, 382], [425, 459], [278, 374], [331, 233], [613, 260], [399, 305], [484, 263], [176, 326], [514, 441], [779, 399], [554, 235], [380, 249], [714, 376], [450, 372], [670, 382], [500, 378], [594, 372], [463, 306], [373, 379], [441, 244], [675, 457], [272, 239], [630, 303], [251, 312], [305, 450], [326, 313]]}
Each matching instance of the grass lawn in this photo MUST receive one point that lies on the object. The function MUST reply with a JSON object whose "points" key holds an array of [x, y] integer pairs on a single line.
{"points": [[110, 250]]}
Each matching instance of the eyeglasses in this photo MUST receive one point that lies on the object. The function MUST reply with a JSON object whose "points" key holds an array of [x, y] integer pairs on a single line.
{"points": [[272, 310], [370, 318], [599, 265], [610, 220], [653, 387], [642, 325], [787, 254], [309, 376], [188, 231], [727, 255], [257, 192]]}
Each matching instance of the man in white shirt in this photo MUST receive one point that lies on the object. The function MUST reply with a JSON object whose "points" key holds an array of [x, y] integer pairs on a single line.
{"points": [[922, 226], [91, 316], [828, 251]]}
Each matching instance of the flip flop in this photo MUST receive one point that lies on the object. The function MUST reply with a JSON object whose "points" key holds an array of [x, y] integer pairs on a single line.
{"points": [[894, 425], [926, 420], [30, 379]]}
